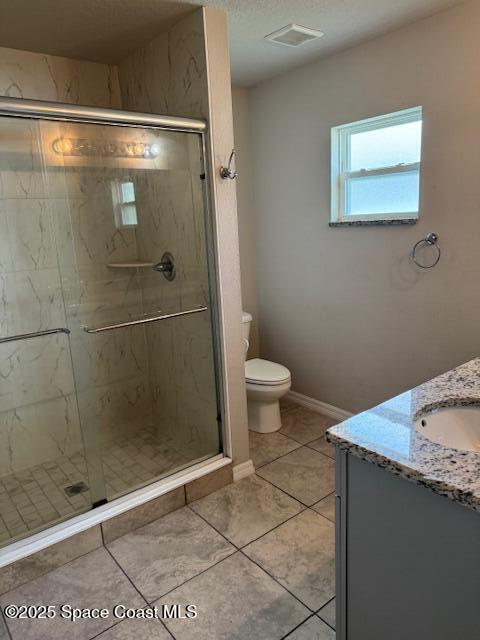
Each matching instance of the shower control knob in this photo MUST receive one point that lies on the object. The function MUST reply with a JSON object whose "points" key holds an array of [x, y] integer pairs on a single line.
{"points": [[166, 266]]}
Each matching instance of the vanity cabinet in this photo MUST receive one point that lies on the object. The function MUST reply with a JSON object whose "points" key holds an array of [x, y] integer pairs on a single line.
{"points": [[408, 559]]}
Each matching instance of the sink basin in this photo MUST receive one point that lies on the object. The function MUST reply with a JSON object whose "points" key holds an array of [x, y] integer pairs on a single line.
{"points": [[456, 428]]}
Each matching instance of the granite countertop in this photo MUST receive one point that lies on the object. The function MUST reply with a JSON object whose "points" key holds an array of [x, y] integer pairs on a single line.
{"points": [[386, 437]]}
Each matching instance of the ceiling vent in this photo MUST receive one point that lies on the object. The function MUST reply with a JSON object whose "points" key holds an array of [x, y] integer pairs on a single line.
{"points": [[293, 35]]}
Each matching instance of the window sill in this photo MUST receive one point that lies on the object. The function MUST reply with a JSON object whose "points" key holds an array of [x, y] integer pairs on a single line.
{"points": [[371, 223]]}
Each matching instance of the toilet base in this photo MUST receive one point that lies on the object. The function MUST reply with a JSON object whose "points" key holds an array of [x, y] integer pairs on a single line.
{"points": [[264, 407], [264, 418]]}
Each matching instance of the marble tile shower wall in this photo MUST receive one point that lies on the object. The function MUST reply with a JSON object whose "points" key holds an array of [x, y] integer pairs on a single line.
{"points": [[36, 76], [169, 74]]}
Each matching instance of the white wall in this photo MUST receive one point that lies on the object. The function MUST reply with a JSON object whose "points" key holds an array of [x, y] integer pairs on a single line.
{"points": [[246, 220], [344, 308]]}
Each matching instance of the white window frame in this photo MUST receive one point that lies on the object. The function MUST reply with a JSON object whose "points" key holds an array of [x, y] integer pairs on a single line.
{"points": [[340, 158]]}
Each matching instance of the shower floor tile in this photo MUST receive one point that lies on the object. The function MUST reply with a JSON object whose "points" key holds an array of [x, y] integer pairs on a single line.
{"points": [[34, 498]]}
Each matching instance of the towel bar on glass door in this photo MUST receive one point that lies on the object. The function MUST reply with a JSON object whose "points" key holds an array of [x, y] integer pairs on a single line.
{"points": [[121, 325], [34, 334]]}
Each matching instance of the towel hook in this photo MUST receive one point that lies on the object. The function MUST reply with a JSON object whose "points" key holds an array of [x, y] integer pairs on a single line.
{"points": [[228, 172], [430, 240]]}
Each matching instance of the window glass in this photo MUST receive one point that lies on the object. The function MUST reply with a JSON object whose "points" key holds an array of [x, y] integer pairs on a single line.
{"points": [[382, 194], [386, 147]]}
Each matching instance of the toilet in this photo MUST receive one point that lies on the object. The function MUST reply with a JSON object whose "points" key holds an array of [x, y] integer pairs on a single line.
{"points": [[266, 382]]}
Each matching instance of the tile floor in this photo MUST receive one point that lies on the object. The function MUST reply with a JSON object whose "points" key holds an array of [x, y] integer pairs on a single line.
{"points": [[33, 498], [255, 557]]}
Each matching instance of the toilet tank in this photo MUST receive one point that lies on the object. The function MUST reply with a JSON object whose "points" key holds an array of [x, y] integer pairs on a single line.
{"points": [[246, 323]]}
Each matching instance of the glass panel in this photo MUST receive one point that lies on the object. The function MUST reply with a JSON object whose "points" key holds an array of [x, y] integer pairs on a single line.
{"points": [[43, 473], [386, 147], [147, 393], [387, 193]]}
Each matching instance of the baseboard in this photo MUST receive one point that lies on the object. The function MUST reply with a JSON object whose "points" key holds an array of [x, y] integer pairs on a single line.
{"points": [[243, 470], [320, 407]]}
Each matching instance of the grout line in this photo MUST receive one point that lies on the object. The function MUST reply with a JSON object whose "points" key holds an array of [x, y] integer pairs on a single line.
{"points": [[286, 492], [42, 575], [305, 444], [127, 576], [193, 577], [326, 603], [321, 609], [297, 627], [115, 624], [278, 582], [302, 446], [167, 629], [282, 455], [323, 454], [274, 528], [159, 620], [214, 528], [321, 514]]}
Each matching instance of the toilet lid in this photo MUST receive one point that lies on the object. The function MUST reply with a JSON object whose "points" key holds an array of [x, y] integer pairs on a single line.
{"points": [[265, 372]]}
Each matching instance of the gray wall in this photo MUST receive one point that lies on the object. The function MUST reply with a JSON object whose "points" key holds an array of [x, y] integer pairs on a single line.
{"points": [[344, 308], [246, 218]]}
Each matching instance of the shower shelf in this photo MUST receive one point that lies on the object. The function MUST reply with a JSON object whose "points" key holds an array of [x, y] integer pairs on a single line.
{"points": [[134, 264]]}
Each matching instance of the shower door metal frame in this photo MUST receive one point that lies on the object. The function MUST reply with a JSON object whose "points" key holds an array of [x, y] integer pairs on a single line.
{"points": [[43, 110], [38, 109]]}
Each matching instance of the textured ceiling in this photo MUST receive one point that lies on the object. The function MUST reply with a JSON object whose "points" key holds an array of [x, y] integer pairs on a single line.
{"points": [[344, 22], [98, 30], [108, 30]]}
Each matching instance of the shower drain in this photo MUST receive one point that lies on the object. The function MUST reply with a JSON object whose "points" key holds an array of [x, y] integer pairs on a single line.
{"points": [[75, 489]]}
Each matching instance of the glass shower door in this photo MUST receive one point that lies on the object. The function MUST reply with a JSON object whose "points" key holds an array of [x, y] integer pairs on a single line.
{"points": [[43, 472], [108, 368], [132, 245]]}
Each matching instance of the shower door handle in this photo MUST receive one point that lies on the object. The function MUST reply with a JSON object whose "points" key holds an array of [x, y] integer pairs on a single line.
{"points": [[35, 334], [132, 323]]}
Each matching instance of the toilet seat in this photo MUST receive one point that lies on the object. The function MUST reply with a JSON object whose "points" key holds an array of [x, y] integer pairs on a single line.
{"points": [[264, 372]]}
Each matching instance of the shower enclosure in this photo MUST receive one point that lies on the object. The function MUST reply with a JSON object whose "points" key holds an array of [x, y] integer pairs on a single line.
{"points": [[109, 375]]}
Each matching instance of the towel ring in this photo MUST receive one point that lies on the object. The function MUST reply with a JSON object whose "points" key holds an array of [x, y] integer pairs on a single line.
{"points": [[430, 240]]}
